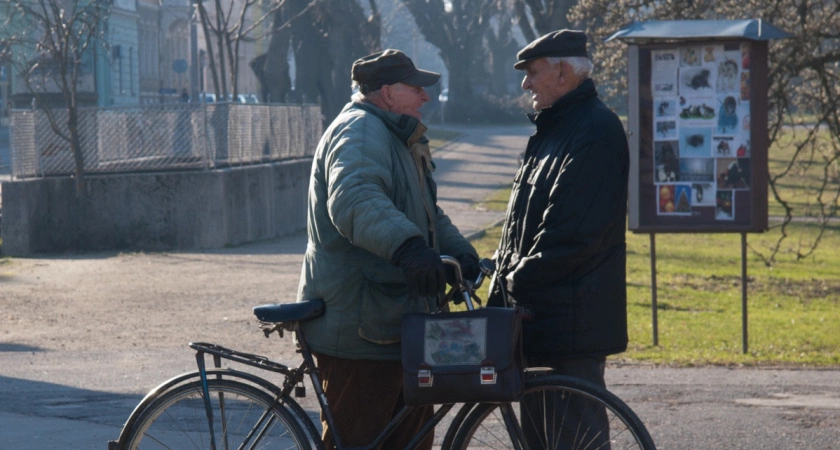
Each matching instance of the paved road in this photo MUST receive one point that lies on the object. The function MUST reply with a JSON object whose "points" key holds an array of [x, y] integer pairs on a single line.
{"points": [[65, 393]]}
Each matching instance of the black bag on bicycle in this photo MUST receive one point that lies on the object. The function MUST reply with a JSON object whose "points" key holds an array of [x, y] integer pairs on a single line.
{"points": [[469, 356]]}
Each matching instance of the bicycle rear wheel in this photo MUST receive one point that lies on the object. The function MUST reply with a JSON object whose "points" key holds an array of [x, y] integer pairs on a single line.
{"points": [[556, 412], [242, 417]]}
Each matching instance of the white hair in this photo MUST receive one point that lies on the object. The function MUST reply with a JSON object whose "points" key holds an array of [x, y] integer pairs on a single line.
{"points": [[581, 65], [357, 95]]}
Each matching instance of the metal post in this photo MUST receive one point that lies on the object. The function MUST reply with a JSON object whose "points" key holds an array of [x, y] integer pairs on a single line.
{"points": [[653, 306], [744, 291]]}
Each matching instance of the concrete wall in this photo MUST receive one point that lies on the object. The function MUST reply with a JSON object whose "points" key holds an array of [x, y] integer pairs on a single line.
{"points": [[155, 211]]}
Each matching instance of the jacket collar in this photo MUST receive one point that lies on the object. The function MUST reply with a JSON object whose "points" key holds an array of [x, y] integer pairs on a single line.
{"points": [[407, 128], [565, 104]]}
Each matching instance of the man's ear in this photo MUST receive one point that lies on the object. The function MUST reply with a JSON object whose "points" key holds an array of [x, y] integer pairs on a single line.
{"points": [[386, 94], [562, 71]]}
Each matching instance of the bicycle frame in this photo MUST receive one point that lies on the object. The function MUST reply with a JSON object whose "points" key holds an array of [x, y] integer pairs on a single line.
{"points": [[292, 377], [289, 319]]}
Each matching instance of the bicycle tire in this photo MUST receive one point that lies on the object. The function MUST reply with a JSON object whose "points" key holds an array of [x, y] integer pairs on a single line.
{"points": [[485, 426], [455, 425], [242, 413]]}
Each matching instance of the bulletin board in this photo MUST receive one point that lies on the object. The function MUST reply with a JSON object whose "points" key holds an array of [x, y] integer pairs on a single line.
{"points": [[698, 132]]}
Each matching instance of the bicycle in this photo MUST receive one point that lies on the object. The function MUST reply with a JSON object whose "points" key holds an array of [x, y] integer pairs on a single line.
{"points": [[228, 408]]}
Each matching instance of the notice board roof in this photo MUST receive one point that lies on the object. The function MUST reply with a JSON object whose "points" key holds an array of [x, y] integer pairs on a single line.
{"points": [[661, 30]]}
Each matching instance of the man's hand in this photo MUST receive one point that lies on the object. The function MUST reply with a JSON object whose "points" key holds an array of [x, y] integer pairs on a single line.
{"points": [[469, 268], [422, 267]]}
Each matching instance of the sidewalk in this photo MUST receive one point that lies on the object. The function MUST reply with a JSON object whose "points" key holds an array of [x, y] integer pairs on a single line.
{"points": [[468, 169]]}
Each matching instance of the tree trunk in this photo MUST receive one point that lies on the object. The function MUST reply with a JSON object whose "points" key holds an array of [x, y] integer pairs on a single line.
{"points": [[76, 145], [275, 78], [211, 58]]}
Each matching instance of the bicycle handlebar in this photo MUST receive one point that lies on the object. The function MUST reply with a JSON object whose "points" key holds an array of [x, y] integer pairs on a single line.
{"points": [[467, 288]]}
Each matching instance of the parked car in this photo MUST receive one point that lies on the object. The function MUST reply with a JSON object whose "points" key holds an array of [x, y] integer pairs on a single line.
{"points": [[239, 99], [206, 97]]}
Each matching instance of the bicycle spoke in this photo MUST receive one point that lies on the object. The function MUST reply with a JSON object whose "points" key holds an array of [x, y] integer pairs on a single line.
{"points": [[243, 417], [555, 413]]}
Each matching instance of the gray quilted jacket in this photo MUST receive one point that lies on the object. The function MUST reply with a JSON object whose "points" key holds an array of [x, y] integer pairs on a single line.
{"points": [[370, 190]]}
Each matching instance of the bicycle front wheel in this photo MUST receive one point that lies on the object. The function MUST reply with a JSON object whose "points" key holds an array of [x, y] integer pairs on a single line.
{"points": [[556, 412], [240, 416]]}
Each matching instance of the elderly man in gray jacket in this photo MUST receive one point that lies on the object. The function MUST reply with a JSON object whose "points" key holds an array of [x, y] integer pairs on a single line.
{"points": [[375, 239]]}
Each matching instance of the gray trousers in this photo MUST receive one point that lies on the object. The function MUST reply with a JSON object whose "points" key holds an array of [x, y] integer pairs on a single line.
{"points": [[542, 413]]}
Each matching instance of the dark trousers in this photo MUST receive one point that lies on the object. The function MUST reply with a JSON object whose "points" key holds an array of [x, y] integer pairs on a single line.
{"points": [[363, 397], [542, 413]]}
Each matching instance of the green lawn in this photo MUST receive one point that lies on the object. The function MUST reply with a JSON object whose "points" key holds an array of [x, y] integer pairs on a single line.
{"points": [[793, 311], [438, 137]]}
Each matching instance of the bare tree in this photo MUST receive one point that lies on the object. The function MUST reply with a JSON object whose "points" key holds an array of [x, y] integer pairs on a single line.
{"points": [[325, 38], [804, 75], [51, 45], [539, 17], [226, 24], [458, 29]]}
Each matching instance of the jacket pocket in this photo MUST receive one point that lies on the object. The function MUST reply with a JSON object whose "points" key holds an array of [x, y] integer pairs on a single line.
{"points": [[384, 301]]}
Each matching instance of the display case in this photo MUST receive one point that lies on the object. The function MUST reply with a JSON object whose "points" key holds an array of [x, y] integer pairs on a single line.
{"points": [[697, 118]]}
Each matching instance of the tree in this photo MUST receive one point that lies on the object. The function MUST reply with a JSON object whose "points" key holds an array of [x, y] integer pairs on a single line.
{"points": [[539, 17], [226, 24], [325, 38], [501, 50], [51, 45], [457, 28], [804, 77]]}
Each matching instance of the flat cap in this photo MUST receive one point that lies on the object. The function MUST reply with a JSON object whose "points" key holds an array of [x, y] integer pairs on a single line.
{"points": [[556, 43], [389, 67]]}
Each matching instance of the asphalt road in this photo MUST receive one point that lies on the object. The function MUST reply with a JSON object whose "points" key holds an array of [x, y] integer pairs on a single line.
{"points": [[83, 337]]}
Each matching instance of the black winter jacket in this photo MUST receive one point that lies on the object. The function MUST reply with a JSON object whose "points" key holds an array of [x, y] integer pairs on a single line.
{"points": [[562, 252]]}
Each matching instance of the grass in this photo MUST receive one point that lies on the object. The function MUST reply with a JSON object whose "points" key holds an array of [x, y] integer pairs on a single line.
{"points": [[799, 188], [792, 307]]}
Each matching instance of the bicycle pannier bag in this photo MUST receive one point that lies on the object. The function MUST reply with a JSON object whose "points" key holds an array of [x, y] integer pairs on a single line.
{"points": [[469, 356]]}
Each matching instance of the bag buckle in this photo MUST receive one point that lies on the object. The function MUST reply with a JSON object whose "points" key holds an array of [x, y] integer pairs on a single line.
{"points": [[488, 372], [424, 376]]}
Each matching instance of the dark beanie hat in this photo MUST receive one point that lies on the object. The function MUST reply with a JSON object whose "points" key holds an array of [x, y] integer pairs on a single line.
{"points": [[389, 67], [556, 43]]}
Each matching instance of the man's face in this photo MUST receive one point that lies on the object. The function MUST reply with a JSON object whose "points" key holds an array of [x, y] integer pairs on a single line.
{"points": [[545, 81], [405, 99]]}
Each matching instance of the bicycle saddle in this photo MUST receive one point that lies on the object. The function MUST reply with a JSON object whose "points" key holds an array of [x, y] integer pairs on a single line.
{"points": [[290, 312]]}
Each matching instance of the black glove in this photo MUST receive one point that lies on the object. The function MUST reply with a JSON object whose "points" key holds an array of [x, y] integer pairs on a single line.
{"points": [[469, 268], [421, 266]]}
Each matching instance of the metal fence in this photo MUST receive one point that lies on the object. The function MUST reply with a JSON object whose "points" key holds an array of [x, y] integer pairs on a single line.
{"points": [[163, 137]]}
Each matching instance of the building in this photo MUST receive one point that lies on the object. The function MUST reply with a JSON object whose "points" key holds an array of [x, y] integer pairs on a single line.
{"points": [[152, 53]]}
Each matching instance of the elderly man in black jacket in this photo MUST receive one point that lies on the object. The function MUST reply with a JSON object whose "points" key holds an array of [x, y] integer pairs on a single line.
{"points": [[562, 252]]}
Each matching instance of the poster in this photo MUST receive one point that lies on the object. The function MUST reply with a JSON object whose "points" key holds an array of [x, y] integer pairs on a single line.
{"points": [[701, 128]]}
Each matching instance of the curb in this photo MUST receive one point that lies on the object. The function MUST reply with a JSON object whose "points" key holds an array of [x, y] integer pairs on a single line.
{"points": [[478, 234]]}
